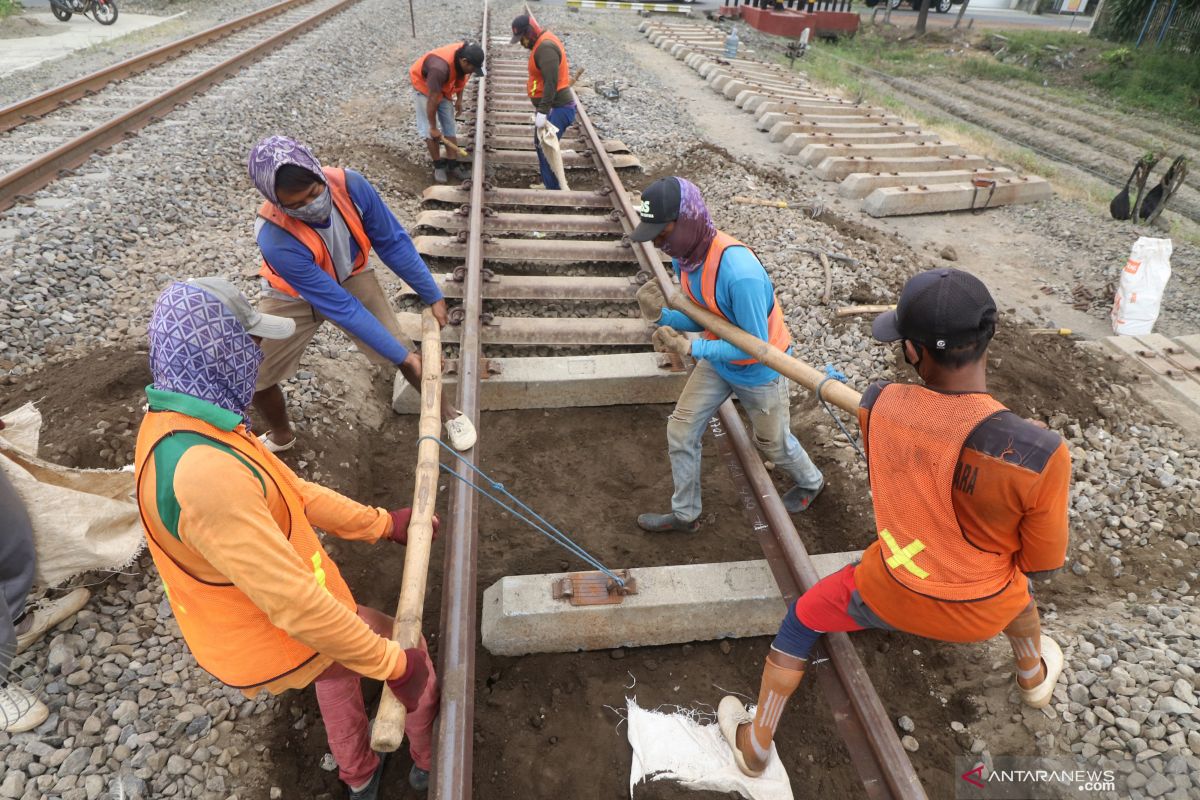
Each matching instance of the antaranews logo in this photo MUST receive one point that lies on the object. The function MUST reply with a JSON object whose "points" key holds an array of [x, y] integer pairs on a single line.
{"points": [[1032, 778]]}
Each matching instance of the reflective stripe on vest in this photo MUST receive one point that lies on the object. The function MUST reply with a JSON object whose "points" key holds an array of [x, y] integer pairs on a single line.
{"points": [[915, 440], [229, 636], [535, 86], [778, 335], [454, 84], [336, 182]]}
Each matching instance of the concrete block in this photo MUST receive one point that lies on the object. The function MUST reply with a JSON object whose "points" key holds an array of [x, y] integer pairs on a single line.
{"points": [[1184, 386], [861, 184], [691, 603], [849, 127], [795, 142], [829, 108], [902, 200], [706, 68], [1190, 343], [719, 80], [563, 382], [743, 96], [836, 168], [813, 154], [734, 88]]}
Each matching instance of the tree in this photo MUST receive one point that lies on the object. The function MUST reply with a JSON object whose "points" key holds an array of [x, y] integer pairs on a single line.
{"points": [[922, 17]]}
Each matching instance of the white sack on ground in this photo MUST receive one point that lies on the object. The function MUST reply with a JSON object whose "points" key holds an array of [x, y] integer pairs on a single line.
{"points": [[83, 519], [552, 150], [1140, 291], [675, 747]]}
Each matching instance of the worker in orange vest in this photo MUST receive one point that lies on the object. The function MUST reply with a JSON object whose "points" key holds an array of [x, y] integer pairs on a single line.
{"points": [[970, 504], [232, 531], [719, 273], [438, 80], [549, 85]]}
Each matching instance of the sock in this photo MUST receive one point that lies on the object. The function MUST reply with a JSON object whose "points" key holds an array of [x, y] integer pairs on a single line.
{"points": [[1025, 635], [781, 675]]}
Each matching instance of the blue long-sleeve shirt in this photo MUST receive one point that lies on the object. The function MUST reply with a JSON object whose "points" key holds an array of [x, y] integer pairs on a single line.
{"points": [[745, 296], [295, 264]]}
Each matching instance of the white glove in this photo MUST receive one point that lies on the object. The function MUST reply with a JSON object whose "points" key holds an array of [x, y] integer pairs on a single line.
{"points": [[539, 121]]}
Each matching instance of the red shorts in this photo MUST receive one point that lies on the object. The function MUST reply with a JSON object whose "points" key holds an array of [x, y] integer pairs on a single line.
{"points": [[825, 607]]}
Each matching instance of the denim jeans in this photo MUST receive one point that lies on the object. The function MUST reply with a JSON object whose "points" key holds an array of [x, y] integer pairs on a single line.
{"points": [[16, 568], [769, 409], [561, 118]]}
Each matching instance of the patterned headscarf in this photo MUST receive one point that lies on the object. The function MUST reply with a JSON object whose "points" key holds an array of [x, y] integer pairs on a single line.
{"points": [[694, 229], [273, 152], [198, 347]]}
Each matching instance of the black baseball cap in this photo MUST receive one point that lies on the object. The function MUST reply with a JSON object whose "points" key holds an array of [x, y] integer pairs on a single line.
{"points": [[939, 308], [660, 205], [519, 27], [473, 54]]}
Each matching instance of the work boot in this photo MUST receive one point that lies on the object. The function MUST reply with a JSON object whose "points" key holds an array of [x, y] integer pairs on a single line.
{"points": [[661, 523], [48, 613], [418, 779], [440, 175], [371, 790], [797, 498], [20, 711]]}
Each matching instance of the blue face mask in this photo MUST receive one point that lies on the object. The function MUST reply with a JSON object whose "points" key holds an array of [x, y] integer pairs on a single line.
{"points": [[316, 212]]}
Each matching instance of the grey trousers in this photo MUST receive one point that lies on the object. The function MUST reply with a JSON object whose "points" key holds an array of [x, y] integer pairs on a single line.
{"points": [[16, 568]]}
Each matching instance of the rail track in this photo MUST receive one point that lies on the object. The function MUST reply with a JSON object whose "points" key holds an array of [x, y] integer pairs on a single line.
{"points": [[46, 136], [489, 238]]}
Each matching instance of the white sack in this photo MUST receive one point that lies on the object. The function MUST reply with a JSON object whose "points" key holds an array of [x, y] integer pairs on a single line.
{"points": [[675, 747], [83, 519], [1139, 293], [552, 150]]}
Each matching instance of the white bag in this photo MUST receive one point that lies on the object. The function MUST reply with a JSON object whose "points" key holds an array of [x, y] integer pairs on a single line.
{"points": [[83, 519], [1139, 293]]}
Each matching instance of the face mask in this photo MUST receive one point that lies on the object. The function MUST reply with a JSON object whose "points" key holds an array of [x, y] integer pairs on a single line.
{"points": [[315, 212], [915, 364]]}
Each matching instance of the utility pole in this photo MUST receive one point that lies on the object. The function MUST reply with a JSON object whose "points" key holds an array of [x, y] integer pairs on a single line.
{"points": [[961, 10]]}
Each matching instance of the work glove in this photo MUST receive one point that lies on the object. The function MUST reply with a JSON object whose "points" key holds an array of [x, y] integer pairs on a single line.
{"points": [[651, 301], [668, 340], [409, 687], [400, 519], [539, 121]]}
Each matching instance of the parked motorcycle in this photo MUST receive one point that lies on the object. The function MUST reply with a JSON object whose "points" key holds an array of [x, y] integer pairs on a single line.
{"points": [[103, 11]]}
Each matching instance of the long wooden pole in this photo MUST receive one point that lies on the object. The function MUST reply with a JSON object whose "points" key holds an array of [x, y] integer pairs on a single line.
{"points": [[835, 392], [388, 732]]}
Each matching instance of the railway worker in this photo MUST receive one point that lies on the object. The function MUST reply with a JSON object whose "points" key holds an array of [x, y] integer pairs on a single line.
{"points": [[316, 229], [970, 502], [258, 600], [438, 80], [549, 86], [719, 273]]}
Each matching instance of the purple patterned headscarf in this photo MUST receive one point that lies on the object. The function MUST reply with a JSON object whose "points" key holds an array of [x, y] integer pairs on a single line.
{"points": [[198, 348], [694, 229], [273, 152]]}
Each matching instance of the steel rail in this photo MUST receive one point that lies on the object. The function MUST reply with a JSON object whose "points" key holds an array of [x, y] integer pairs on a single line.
{"points": [[48, 167], [38, 105], [884, 756], [453, 754]]}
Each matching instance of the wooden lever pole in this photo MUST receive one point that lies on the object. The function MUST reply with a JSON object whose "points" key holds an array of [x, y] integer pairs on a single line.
{"points": [[388, 732], [835, 392]]}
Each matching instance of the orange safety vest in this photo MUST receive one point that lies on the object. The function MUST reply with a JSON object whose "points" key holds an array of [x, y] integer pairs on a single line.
{"points": [[453, 85], [535, 86], [335, 179], [915, 440], [229, 636], [778, 335]]}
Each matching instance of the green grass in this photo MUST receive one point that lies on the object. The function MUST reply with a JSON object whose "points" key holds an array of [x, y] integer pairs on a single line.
{"points": [[9, 7], [1164, 82]]}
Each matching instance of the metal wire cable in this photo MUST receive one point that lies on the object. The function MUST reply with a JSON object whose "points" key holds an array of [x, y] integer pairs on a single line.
{"points": [[832, 374], [545, 528]]}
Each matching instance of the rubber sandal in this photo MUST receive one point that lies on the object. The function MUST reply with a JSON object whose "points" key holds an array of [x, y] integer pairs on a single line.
{"points": [[731, 714], [276, 448], [1052, 659]]}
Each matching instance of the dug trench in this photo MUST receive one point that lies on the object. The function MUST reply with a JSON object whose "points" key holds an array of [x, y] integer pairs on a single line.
{"points": [[549, 725]]}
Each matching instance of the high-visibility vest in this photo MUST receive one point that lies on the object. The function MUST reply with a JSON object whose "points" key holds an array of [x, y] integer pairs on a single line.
{"points": [[536, 86], [335, 180], [229, 636], [454, 84], [778, 335], [915, 440]]}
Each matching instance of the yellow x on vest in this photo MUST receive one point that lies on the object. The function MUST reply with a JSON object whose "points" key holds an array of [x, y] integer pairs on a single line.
{"points": [[319, 571], [903, 557]]}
